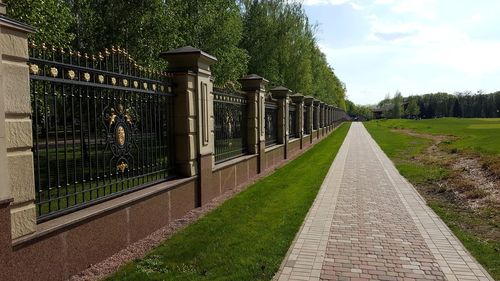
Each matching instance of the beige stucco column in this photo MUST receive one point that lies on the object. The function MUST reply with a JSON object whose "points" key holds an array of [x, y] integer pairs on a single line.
{"points": [[298, 99], [16, 158], [193, 113], [281, 94], [254, 86]]}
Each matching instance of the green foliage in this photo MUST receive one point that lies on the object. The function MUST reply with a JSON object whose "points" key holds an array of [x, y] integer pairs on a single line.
{"points": [[412, 109], [440, 105], [271, 38], [397, 105], [248, 236], [283, 49], [51, 18], [359, 111]]}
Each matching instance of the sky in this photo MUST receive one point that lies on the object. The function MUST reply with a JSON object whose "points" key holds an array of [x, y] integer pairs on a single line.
{"points": [[378, 47]]}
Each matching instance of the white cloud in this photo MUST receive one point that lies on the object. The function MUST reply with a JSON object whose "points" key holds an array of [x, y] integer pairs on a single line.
{"points": [[404, 46], [353, 4]]}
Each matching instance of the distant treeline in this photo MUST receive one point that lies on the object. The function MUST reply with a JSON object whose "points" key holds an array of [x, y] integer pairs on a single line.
{"points": [[438, 105], [271, 38]]}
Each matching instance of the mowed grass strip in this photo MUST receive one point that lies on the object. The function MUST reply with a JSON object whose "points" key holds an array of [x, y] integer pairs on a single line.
{"points": [[466, 224], [247, 237]]}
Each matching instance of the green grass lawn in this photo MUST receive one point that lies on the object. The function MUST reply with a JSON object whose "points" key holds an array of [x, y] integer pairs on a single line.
{"points": [[479, 135], [247, 237], [470, 136]]}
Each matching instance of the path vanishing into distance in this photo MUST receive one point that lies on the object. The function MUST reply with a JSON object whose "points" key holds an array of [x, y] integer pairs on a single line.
{"points": [[369, 223]]}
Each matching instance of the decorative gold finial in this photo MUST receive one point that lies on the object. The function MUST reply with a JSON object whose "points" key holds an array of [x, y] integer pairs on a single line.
{"points": [[100, 78], [101, 57], [121, 168], [53, 72], [71, 74], [120, 135], [34, 69], [86, 76], [106, 52], [44, 47], [61, 50]]}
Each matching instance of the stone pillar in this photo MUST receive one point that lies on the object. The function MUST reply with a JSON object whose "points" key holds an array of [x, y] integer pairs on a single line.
{"points": [[308, 103], [16, 158], [193, 103], [281, 94], [254, 87], [316, 113], [298, 99]]}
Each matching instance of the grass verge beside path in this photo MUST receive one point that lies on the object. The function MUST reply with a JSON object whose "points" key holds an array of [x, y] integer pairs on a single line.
{"points": [[247, 237], [477, 228]]}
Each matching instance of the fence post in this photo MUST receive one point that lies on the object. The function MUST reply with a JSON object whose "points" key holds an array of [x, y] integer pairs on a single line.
{"points": [[16, 158], [298, 99], [281, 94], [193, 114], [254, 87]]}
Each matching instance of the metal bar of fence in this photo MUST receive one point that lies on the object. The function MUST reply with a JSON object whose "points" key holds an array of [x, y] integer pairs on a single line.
{"points": [[271, 123], [102, 127], [292, 117], [230, 125]]}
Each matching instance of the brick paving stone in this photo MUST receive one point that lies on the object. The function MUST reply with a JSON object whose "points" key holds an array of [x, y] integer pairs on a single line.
{"points": [[369, 223]]}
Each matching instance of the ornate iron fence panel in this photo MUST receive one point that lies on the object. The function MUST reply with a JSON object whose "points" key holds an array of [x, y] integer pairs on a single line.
{"points": [[271, 120], [102, 126], [315, 118], [230, 114], [292, 120], [305, 121]]}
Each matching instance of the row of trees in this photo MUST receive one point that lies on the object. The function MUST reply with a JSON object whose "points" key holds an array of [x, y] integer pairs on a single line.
{"points": [[465, 104], [359, 111], [272, 38]]}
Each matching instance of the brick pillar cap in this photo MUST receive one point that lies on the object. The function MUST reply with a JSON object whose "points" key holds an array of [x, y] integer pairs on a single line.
{"points": [[253, 82], [297, 98], [188, 58], [280, 92], [308, 100], [16, 25]]}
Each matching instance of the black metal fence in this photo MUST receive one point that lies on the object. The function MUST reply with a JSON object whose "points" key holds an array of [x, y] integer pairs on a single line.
{"points": [[271, 120], [315, 117], [230, 114], [102, 126], [292, 119], [306, 121]]}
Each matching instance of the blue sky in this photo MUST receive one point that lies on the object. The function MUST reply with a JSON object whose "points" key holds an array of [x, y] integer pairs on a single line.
{"points": [[415, 46]]}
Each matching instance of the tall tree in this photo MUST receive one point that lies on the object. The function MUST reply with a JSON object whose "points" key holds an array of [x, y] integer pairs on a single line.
{"points": [[51, 18], [397, 105]]}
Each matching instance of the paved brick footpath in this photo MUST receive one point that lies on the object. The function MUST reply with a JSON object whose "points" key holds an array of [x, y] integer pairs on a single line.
{"points": [[369, 223]]}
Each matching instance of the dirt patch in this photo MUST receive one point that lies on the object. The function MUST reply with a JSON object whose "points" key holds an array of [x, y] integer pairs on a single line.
{"points": [[473, 179]]}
